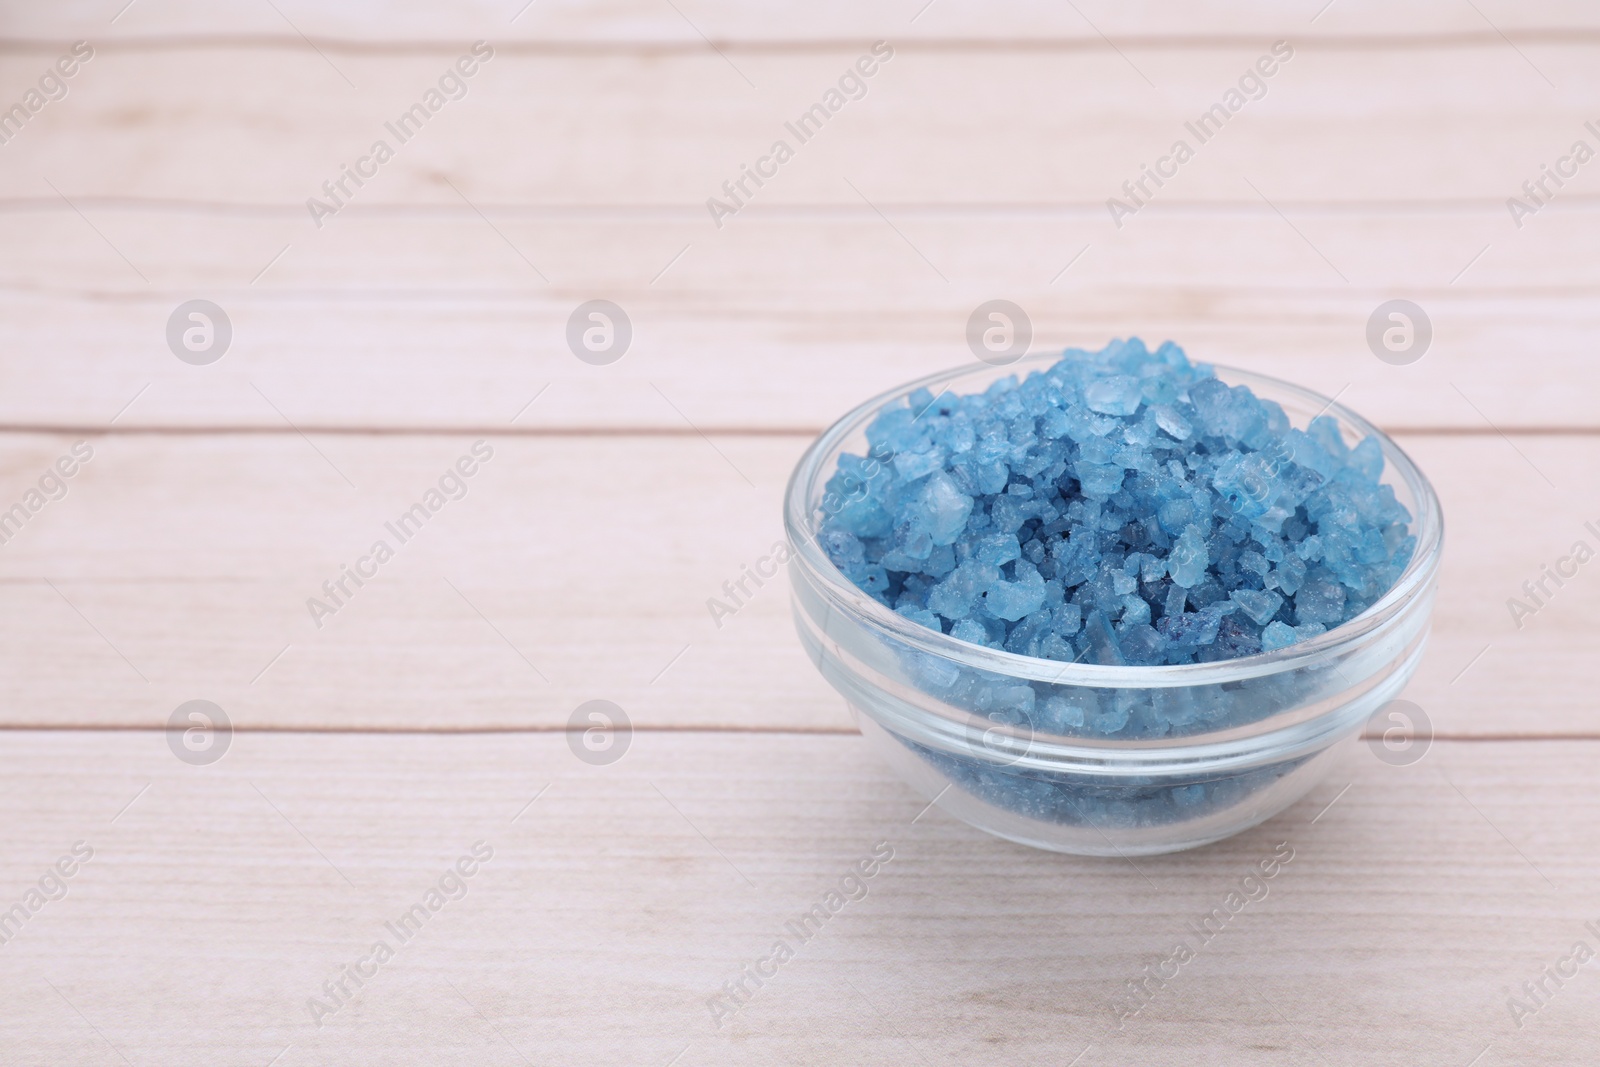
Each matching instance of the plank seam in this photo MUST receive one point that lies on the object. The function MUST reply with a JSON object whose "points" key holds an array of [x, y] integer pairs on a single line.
{"points": [[501, 430], [819, 731], [1578, 37], [947, 211]]}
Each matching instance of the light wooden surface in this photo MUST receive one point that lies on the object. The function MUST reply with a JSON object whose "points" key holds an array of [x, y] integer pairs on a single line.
{"points": [[220, 901], [200, 597], [425, 715]]}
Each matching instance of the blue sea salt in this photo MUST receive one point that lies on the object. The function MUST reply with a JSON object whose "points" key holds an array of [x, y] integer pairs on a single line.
{"points": [[1119, 507], [1260, 604], [1277, 635], [1188, 558]]}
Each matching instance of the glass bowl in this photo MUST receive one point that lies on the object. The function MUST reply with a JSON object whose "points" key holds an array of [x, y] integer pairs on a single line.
{"points": [[964, 724]]}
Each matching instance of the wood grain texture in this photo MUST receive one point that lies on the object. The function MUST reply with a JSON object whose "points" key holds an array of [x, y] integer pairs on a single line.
{"points": [[370, 353], [402, 323], [578, 568], [637, 22], [247, 124], [449, 278], [221, 898]]}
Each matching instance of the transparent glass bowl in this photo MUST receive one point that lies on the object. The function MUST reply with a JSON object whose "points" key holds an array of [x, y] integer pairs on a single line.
{"points": [[1260, 730]]}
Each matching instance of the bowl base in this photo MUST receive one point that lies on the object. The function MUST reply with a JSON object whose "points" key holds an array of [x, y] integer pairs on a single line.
{"points": [[1090, 836]]}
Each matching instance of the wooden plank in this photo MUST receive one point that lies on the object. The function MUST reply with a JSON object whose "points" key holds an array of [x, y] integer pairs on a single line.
{"points": [[579, 568], [259, 125], [773, 322], [641, 22], [220, 900]]}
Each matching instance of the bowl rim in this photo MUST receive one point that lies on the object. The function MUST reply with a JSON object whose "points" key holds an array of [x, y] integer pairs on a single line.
{"points": [[800, 526]]}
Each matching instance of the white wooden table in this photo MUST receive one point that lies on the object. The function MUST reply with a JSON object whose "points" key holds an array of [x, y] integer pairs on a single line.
{"points": [[429, 712]]}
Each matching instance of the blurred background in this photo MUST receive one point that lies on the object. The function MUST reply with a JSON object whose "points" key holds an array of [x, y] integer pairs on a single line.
{"points": [[275, 340]]}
